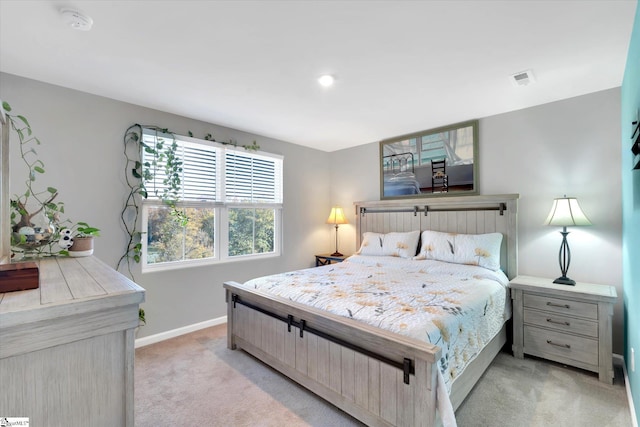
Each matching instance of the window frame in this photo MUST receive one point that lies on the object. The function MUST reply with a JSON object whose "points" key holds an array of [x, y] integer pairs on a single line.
{"points": [[221, 215]]}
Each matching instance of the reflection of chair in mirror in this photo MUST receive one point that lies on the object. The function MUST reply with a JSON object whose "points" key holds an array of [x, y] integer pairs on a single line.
{"points": [[439, 178]]}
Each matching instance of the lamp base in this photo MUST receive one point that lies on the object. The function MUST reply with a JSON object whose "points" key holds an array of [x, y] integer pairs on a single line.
{"points": [[336, 254], [564, 280]]}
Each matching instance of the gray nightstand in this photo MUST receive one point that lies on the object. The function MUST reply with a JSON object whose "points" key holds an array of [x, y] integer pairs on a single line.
{"points": [[566, 324], [326, 259]]}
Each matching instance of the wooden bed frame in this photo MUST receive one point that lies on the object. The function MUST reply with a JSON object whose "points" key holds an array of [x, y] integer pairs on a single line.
{"points": [[361, 369]]}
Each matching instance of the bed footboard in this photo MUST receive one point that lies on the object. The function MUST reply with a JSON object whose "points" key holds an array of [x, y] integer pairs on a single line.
{"points": [[380, 378]]}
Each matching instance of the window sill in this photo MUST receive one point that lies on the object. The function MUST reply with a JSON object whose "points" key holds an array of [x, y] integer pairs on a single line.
{"points": [[178, 265]]}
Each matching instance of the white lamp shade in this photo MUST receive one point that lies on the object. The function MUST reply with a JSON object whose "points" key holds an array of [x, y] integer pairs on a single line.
{"points": [[337, 216], [566, 212]]}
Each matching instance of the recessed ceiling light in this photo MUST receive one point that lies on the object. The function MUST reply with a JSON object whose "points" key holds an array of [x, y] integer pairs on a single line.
{"points": [[76, 19], [326, 80]]}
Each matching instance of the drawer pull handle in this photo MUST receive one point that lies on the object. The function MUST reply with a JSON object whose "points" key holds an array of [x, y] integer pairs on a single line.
{"points": [[549, 303], [558, 345], [558, 322]]}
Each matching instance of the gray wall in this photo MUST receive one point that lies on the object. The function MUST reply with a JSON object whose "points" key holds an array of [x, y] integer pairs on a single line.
{"points": [[566, 147], [81, 147]]}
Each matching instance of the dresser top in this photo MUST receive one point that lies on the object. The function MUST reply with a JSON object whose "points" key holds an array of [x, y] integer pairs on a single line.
{"points": [[68, 286], [590, 291]]}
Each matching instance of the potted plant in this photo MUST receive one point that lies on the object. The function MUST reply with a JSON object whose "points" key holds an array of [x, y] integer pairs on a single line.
{"points": [[78, 240]]}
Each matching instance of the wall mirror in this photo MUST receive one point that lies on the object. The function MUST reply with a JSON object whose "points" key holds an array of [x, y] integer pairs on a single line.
{"points": [[435, 162]]}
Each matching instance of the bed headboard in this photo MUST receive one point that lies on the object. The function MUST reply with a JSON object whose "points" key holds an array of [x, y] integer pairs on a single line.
{"points": [[463, 214]]}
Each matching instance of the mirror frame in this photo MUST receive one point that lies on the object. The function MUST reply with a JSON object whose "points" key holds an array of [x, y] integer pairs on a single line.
{"points": [[5, 243], [474, 124]]}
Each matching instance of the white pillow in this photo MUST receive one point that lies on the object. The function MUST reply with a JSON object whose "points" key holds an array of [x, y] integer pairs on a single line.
{"points": [[471, 249], [403, 245]]}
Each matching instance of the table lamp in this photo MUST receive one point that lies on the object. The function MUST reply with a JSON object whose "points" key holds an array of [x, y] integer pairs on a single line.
{"points": [[566, 212], [336, 217]]}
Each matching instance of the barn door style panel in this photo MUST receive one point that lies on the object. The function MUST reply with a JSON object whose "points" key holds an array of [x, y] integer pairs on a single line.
{"points": [[361, 385]]}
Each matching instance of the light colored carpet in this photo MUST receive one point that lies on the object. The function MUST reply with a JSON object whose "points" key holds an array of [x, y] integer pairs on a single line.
{"points": [[195, 380]]}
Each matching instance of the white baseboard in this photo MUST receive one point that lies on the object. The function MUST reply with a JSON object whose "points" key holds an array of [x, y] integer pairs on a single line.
{"points": [[618, 359], [152, 339]]}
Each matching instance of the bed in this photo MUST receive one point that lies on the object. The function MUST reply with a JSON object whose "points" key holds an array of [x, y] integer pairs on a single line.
{"points": [[383, 376]]}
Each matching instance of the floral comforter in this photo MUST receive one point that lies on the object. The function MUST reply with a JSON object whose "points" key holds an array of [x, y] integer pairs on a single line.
{"points": [[459, 308]]}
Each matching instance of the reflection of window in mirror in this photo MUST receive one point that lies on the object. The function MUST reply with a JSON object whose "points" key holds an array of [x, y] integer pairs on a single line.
{"points": [[463, 146], [455, 146]]}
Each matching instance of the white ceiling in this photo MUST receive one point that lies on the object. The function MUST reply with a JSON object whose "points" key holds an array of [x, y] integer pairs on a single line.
{"points": [[401, 66]]}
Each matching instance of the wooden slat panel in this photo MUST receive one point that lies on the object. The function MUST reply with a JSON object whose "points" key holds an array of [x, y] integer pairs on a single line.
{"points": [[471, 219], [461, 222], [374, 386], [312, 356], [271, 335], [248, 325], [56, 289], [434, 219], [301, 352], [290, 346], [281, 331], [386, 227], [348, 374], [239, 319], [335, 367], [489, 222], [502, 226], [324, 362], [263, 331], [19, 299], [423, 395], [393, 222], [80, 285], [405, 400], [480, 222], [255, 329], [388, 396], [361, 364], [103, 274]]}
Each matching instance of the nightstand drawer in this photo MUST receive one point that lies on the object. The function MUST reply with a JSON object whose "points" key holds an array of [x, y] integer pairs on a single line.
{"points": [[562, 306], [562, 323], [545, 343]]}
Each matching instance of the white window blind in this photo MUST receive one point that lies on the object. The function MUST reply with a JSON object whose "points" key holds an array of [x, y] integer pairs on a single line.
{"points": [[247, 176], [252, 178], [199, 172], [199, 176]]}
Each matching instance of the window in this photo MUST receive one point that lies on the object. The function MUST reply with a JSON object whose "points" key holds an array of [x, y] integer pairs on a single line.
{"points": [[231, 198]]}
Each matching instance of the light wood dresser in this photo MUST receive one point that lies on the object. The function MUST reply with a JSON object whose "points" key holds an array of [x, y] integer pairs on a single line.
{"points": [[566, 324], [67, 348]]}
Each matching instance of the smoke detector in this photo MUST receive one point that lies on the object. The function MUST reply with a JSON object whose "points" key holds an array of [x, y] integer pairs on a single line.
{"points": [[76, 19], [523, 78]]}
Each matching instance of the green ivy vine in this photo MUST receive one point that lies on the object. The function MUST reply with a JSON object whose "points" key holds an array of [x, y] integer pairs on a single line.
{"points": [[140, 175], [35, 200]]}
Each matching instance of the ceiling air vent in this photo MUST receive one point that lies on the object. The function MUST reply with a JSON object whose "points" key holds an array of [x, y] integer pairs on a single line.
{"points": [[522, 78]]}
